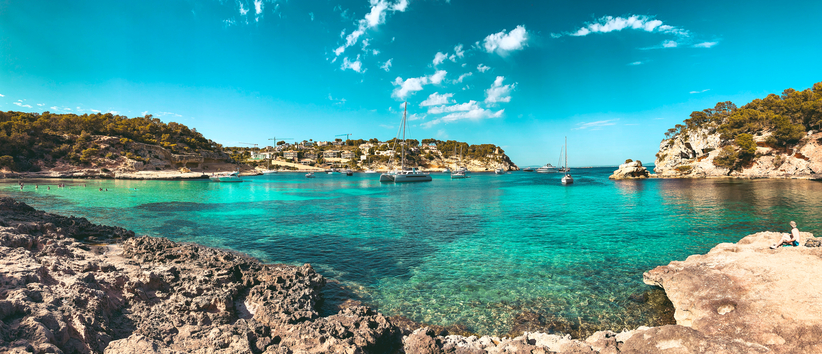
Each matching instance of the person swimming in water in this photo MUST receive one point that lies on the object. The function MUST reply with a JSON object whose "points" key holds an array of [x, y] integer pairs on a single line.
{"points": [[791, 239]]}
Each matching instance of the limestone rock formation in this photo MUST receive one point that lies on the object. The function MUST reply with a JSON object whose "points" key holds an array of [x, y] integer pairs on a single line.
{"points": [[630, 170], [151, 295], [117, 294], [692, 154], [767, 299]]}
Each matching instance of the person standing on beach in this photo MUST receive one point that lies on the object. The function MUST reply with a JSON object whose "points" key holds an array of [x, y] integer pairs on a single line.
{"points": [[791, 239]]}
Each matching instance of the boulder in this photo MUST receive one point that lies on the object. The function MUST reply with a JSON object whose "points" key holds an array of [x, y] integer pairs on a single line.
{"points": [[630, 170]]}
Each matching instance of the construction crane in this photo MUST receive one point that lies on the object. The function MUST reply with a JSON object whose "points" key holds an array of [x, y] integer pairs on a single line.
{"points": [[253, 145], [280, 139], [345, 135]]}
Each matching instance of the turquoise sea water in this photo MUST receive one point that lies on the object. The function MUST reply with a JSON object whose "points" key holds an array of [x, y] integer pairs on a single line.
{"points": [[474, 252]]}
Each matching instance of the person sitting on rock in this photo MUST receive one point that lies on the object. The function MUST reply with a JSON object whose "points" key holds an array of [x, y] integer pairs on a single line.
{"points": [[791, 239]]}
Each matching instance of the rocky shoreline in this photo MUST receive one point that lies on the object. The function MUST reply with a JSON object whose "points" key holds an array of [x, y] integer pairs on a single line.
{"points": [[70, 286]]}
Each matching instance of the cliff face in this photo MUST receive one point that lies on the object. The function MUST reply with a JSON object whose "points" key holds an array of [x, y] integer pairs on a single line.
{"points": [[693, 154]]}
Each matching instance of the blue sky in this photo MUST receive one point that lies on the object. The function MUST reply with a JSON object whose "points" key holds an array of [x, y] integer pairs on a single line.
{"points": [[611, 76]]}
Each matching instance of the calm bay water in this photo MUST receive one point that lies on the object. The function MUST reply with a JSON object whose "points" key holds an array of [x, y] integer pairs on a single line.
{"points": [[475, 252]]}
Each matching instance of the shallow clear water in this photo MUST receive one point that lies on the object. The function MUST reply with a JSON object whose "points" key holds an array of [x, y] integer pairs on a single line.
{"points": [[474, 252]]}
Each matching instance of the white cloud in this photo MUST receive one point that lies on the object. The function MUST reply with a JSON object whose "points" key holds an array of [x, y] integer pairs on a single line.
{"points": [[414, 84], [229, 22], [66, 109], [482, 68], [458, 52], [374, 18], [498, 92], [142, 114], [705, 90], [705, 44], [438, 76], [416, 116], [643, 23], [439, 58], [502, 43], [408, 86], [243, 10], [54, 108], [474, 114], [113, 112], [595, 125], [609, 24], [462, 77], [355, 65], [41, 104], [96, 111], [337, 101], [636, 63], [1, 95], [22, 105], [387, 65], [311, 14], [168, 114], [462, 107], [669, 44], [437, 99], [258, 6], [400, 6]]}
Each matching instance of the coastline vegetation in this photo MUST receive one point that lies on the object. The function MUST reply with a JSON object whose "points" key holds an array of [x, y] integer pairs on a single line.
{"points": [[27, 139], [784, 118]]}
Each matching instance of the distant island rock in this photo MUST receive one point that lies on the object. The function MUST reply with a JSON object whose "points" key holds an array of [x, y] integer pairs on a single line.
{"points": [[630, 170], [766, 138]]}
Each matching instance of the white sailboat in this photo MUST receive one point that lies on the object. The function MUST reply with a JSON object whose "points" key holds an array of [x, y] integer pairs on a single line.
{"points": [[402, 175], [567, 179]]}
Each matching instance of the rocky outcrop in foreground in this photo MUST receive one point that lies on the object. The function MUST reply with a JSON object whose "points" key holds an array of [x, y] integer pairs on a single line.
{"points": [[69, 286], [630, 170], [748, 296]]}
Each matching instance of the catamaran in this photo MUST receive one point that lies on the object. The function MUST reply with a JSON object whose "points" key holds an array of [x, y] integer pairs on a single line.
{"points": [[403, 175]]}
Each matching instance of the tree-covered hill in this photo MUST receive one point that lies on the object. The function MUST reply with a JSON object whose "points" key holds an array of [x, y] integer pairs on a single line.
{"points": [[734, 138], [31, 140]]}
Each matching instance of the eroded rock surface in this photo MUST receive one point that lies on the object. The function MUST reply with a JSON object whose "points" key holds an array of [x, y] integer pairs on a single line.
{"points": [[630, 170], [117, 294], [152, 295], [748, 293]]}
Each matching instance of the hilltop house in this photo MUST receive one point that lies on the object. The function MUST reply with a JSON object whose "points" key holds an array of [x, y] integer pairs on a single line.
{"points": [[330, 154], [258, 155], [291, 154], [347, 154], [322, 143], [311, 155]]}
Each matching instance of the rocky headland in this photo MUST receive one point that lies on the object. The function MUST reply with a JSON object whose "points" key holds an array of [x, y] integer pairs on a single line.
{"points": [[774, 137], [69, 286]]}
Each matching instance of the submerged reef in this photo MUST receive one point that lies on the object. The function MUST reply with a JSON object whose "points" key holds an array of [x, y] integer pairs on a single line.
{"points": [[69, 286]]}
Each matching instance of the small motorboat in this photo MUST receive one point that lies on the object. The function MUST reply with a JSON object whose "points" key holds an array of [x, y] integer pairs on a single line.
{"points": [[309, 175]]}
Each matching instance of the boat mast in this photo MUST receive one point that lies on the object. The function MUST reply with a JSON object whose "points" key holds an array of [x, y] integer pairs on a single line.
{"points": [[405, 110], [566, 155]]}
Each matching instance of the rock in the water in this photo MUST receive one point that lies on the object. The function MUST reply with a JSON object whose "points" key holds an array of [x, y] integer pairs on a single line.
{"points": [[630, 170]]}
